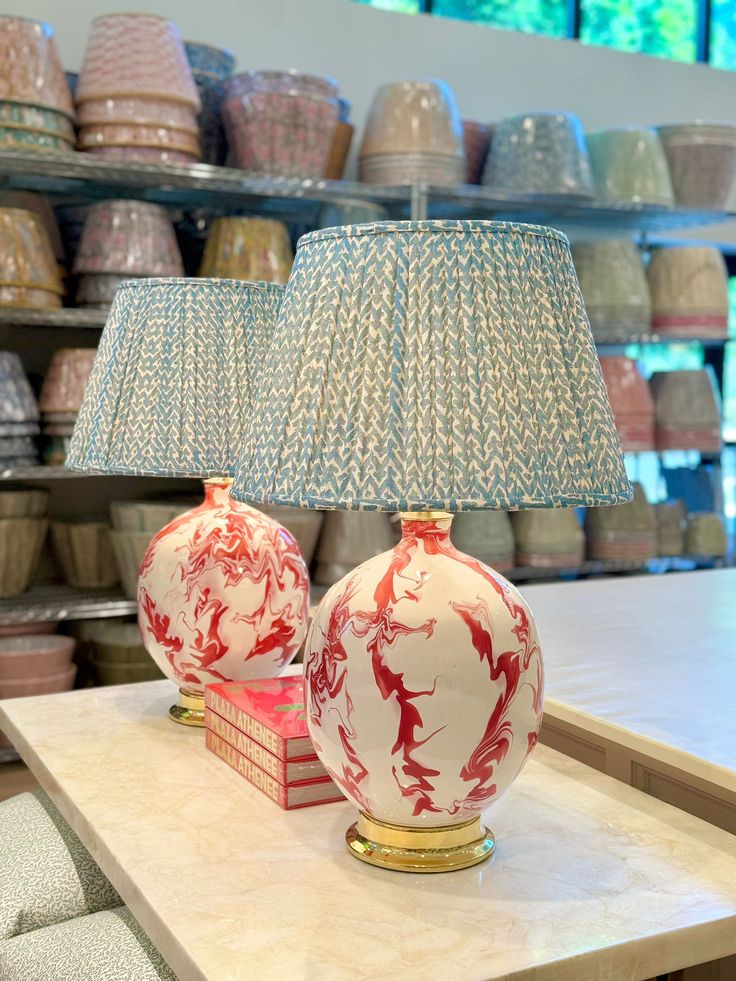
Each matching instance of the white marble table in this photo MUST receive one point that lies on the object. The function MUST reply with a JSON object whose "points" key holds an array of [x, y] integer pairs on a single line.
{"points": [[641, 682], [592, 880]]}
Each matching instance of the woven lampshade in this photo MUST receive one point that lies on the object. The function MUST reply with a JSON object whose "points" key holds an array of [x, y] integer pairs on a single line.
{"points": [[614, 286], [548, 538], [688, 410], [706, 535], [348, 539], [171, 387], [671, 520], [627, 533], [486, 535], [433, 365]]}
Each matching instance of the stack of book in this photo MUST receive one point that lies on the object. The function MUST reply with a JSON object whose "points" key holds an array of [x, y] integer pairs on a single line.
{"points": [[259, 728]]}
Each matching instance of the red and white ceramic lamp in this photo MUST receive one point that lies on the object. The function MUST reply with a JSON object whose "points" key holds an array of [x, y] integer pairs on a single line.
{"points": [[223, 589], [472, 382]]}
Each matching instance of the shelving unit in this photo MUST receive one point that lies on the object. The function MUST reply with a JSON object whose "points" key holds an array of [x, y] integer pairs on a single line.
{"points": [[44, 603], [79, 178], [69, 317], [38, 473], [73, 179]]}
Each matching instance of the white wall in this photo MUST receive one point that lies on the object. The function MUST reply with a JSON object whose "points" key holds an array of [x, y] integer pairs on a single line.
{"points": [[493, 72]]}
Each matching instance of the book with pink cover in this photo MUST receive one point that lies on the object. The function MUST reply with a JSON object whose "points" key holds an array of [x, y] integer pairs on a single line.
{"points": [[268, 710]]}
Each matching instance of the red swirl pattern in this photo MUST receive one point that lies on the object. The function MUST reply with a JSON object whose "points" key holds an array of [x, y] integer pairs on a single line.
{"points": [[348, 631], [223, 594]]}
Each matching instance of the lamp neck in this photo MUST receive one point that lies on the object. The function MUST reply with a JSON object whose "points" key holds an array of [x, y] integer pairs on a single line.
{"points": [[217, 490], [425, 524]]}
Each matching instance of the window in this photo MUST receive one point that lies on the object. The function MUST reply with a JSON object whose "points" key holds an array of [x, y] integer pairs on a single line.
{"points": [[535, 16], [723, 33], [657, 27], [729, 369], [683, 30], [399, 6]]}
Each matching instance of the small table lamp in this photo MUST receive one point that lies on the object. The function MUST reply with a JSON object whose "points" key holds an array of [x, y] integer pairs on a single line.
{"points": [[429, 367], [223, 589]]}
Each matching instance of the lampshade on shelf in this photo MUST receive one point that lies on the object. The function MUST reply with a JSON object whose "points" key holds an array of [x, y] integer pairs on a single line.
{"points": [[429, 367], [223, 589]]}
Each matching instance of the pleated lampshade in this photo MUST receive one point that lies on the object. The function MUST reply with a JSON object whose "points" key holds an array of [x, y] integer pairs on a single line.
{"points": [[171, 387], [433, 365]]}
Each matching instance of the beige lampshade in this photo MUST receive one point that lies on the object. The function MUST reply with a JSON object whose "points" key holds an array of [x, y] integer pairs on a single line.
{"points": [[614, 286], [349, 538], [548, 538], [706, 535], [689, 290], [413, 132], [687, 410], [671, 521], [624, 532], [487, 536]]}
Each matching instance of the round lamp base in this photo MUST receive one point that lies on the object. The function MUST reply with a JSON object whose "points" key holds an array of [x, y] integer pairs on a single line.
{"points": [[189, 711], [419, 850]]}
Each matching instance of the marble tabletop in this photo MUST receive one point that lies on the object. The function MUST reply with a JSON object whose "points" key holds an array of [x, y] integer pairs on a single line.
{"points": [[592, 879], [647, 661]]}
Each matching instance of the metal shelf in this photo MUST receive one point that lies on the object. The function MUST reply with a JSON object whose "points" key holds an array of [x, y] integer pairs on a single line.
{"points": [[468, 200], [39, 473], [78, 318], [83, 176], [43, 603], [655, 566], [621, 338]]}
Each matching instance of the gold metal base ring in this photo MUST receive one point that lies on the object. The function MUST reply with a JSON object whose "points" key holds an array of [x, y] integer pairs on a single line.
{"points": [[419, 850], [190, 709]]}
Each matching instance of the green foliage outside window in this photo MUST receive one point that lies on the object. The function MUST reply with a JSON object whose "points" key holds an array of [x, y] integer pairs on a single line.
{"points": [[534, 16], [657, 27], [723, 33]]}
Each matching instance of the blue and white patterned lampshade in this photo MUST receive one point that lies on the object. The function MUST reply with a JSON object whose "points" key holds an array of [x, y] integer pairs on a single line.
{"points": [[433, 365], [172, 384]]}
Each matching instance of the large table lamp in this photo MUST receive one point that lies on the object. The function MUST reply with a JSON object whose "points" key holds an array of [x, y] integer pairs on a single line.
{"points": [[427, 368], [223, 589]]}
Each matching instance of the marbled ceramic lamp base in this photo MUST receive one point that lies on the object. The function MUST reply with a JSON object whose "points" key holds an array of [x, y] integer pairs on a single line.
{"points": [[222, 596], [423, 690], [189, 710], [419, 850]]}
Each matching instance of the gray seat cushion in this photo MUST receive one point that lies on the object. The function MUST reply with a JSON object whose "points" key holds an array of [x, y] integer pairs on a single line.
{"points": [[105, 946], [46, 874]]}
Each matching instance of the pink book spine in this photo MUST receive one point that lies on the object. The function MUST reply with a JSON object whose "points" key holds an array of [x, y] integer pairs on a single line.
{"points": [[272, 765], [247, 768]]}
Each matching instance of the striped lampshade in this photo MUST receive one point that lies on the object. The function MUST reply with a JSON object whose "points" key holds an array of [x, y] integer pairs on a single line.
{"points": [[433, 365], [172, 384]]}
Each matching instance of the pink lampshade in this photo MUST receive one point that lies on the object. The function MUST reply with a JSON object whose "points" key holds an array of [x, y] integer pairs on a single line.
{"points": [[631, 401]]}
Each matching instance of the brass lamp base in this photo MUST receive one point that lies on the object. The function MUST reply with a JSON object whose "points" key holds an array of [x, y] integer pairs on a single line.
{"points": [[426, 850], [190, 709]]}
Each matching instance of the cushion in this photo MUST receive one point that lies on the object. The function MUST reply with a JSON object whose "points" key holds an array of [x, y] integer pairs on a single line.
{"points": [[105, 946], [46, 874]]}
